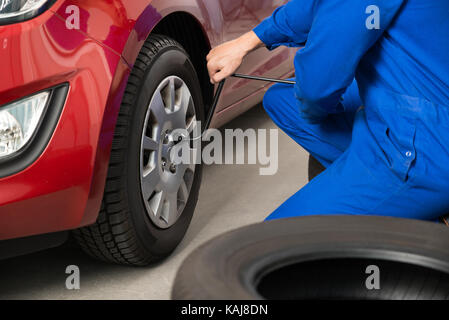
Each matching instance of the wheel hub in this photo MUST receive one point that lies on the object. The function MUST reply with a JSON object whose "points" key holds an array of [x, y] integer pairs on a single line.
{"points": [[168, 164]]}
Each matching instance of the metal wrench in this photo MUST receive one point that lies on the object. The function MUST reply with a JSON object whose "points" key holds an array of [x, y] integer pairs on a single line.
{"points": [[242, 76]]}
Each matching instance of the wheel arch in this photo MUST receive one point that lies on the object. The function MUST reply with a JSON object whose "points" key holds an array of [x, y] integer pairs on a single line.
{"points": [[188, 31]]}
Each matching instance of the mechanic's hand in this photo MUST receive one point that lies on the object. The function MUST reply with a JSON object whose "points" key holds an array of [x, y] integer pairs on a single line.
{"points": [[225, 59]]}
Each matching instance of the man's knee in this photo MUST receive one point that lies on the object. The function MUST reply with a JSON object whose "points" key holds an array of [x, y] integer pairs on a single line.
{"points": [[271, 100], [281, 105]]}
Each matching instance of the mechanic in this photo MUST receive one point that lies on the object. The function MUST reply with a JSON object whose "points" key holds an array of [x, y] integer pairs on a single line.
{"points": [[371, 102]]}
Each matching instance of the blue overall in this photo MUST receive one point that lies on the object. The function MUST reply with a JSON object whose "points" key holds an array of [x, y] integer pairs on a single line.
{"points": [[371, 104]]}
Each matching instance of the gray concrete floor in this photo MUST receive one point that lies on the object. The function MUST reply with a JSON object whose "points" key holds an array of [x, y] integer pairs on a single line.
{"points": [[231, 197]]}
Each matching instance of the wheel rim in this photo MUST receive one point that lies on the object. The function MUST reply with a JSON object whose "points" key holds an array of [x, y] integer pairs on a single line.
{"points": [[165, 183]]}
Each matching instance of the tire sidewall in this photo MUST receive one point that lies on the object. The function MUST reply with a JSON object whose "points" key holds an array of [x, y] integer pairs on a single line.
{"points": [[250, 253]]}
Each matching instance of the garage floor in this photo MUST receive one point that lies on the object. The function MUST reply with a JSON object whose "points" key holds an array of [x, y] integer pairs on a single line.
{"points": [[231, 197]]}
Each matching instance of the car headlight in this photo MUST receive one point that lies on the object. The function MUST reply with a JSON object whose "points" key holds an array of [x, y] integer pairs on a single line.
{"points": [[19, 121], [12, 11]]}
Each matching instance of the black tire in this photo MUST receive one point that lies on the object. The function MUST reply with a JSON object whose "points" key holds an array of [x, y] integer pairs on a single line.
{"points": [[320, 258], [124, 233], [315, 168]]}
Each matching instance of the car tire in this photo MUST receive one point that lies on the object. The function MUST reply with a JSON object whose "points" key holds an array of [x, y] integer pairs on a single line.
{"points": [[128, 230], [321, 258], [315, 168]]}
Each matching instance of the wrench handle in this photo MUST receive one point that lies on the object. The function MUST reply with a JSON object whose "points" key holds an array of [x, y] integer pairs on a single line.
{"points": [[214, 105], [245, 76], [220, 89]]}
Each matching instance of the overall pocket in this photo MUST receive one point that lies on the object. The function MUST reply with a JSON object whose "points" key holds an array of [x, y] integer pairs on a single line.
{"points": [[395, 136], [398, 146]]}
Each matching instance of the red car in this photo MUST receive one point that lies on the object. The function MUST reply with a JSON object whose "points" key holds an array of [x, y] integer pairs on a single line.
{"points": [[90, 91]]}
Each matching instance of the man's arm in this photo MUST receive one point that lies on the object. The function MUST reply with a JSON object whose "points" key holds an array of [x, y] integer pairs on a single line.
{"points": [[340, 36], [336, 37], [288, 25]]}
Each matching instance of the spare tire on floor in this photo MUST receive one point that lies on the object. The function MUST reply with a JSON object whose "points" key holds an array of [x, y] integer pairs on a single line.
{"points": [[337, 257]]}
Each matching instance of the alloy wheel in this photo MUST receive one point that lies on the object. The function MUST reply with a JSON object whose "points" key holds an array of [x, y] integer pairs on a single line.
{"points": [[165, 183]]}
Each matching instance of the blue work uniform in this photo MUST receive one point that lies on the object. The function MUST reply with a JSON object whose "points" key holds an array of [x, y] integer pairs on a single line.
{"points": [[371, 103]]}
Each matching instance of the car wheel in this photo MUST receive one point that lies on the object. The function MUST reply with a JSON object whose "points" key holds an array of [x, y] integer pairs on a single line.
{"points": [[315, 168], [149, 198], [339, 257]]}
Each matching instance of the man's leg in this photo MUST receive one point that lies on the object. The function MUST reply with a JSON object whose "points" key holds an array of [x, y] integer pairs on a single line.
{"points": [[361, 182], [326, 141]]}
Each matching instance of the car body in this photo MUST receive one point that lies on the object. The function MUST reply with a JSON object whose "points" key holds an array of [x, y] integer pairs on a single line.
{"points": [[59, 184]]}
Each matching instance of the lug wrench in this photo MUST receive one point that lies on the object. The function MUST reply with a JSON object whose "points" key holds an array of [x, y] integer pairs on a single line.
{"points": [[217, 95], [242, 76]]}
